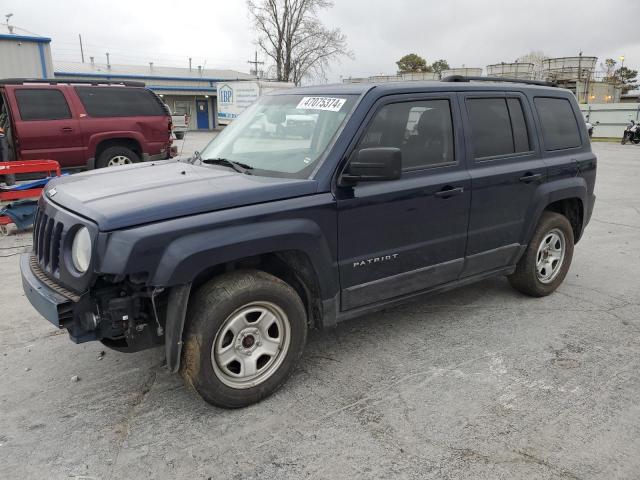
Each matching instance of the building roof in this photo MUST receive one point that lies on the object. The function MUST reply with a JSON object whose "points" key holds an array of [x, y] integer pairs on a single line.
{"points": [[7, 32], [88, 69]]}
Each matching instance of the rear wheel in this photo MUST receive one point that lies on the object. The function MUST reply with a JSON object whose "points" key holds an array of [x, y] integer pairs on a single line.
{"points": [[247, 332], [547, 258], [117, 156]]}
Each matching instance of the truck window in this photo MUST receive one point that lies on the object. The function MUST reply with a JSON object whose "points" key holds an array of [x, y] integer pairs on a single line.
{"points": [[422, 130], [498, 127], [42, 104], [119, 102], [559, 125]]}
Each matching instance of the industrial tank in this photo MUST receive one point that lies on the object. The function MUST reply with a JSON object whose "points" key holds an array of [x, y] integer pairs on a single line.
{"points": [[467, 72], [512, 70], [569, 68]]}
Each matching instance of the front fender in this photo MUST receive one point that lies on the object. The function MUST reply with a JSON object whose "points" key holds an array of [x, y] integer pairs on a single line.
{"points": [[187, 256], [550, 192]]}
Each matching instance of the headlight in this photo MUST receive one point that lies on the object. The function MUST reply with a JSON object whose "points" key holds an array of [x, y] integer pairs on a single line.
{"points": [[81, 250]]}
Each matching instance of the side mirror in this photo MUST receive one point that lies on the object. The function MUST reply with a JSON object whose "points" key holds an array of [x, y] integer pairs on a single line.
{"points": [[373, 165]]}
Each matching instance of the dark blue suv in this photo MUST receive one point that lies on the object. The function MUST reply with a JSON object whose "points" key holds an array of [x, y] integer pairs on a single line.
{"points": [[398, 190]]}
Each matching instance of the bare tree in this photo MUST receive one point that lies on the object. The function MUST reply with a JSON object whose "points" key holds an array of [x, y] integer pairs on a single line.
{"points": [[290, 34], [537, 58]]}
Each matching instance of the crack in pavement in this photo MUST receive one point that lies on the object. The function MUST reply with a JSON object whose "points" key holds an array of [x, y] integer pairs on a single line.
{"points": [[132, 410]]}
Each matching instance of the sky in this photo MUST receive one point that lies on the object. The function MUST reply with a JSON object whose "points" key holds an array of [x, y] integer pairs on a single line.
{"points": [[218, 34]]}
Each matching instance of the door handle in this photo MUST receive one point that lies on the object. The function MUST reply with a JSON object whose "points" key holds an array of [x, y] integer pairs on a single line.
{"points": [[530, 177], [447, 192], [67, 129]]}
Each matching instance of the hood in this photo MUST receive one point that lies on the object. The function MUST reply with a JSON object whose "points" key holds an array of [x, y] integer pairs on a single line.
{"points": [[120, 197]]}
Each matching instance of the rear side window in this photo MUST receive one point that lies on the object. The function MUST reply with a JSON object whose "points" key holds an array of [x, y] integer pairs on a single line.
{"points": [[119, 102], [42, 104], [498, 127], [559, 126]]}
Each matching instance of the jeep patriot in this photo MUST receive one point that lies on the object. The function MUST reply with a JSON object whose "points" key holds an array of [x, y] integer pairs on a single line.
{"points": [[228, 259]]}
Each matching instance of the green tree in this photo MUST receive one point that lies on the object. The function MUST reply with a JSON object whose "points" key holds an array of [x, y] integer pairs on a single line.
{"points": [[626, 78], [413, 63], [440, 66]]}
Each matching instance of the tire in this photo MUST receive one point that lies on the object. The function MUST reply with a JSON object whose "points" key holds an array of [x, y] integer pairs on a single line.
{"points": [[528, 278], [114, 156], [624, 139], [230, 330], [635, 139]]}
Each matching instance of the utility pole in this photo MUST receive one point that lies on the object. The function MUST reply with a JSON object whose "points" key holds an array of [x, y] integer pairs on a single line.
{"points": [[255, 64], [81, 50]]}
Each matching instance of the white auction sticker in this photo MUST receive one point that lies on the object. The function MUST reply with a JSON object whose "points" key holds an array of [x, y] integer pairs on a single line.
{"points": [[321, 103]]}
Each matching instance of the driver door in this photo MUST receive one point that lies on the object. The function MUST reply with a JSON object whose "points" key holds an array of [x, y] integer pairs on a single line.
{"points": [[404, 236]]}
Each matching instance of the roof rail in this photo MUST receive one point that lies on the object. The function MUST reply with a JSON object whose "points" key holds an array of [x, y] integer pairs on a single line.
{"points": [[52, 81], [463, 78]]}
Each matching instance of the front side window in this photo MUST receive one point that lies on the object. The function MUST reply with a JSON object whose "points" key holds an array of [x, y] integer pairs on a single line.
{"points": [[119, 102], [282, 135], [422, 130], [42, 104], [559, 126]]}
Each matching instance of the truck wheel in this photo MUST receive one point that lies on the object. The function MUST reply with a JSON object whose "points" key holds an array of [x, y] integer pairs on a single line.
{"points": [[547, 258], [116, 156], [247, 330]]}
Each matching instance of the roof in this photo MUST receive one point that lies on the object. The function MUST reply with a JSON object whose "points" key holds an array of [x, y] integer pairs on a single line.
{"points": [[88, 70], [408, 87], [17, 33]]}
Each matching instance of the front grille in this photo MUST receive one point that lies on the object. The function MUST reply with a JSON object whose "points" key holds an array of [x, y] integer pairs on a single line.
{"points": [[47, 237], [37, 271]]}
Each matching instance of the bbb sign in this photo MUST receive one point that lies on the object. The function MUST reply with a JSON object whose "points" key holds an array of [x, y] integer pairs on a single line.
{"points": [[225, 94]]}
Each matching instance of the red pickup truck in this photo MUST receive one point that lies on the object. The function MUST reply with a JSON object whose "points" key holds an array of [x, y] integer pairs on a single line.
{"points": [[83, 125]]}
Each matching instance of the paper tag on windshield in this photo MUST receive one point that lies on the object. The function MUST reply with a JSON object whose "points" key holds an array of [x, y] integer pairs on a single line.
{"points": [[321, 103]]}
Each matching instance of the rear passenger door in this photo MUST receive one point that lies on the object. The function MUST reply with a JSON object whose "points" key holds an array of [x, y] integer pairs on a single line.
{"points": [[46, 128], [506, 168], [402, 236]]}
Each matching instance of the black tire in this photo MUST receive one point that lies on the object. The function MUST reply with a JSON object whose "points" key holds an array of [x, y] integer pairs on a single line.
{"points": [[525, 278], [209, 309], [624, 140], [112, 152]]}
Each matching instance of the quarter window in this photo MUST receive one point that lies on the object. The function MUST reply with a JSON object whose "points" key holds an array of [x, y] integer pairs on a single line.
{"points": [[498, 127], [559, 126], [119, 102], [42, 104], [422, 130]]}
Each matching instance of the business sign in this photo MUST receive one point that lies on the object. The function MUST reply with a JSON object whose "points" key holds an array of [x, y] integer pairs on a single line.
{"points": [[234, 98]]}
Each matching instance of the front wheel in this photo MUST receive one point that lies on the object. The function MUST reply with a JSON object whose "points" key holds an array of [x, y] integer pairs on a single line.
{"points": [[247, 330], [547, 259]]}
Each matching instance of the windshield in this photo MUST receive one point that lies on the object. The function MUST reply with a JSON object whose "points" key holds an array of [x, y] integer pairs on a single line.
{"points": [[282, 135]]}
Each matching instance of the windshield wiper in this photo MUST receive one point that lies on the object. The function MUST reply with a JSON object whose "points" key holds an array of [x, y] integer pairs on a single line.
{"points": [[237, 166]]}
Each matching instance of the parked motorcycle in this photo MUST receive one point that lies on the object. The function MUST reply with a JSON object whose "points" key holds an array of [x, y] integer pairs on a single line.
{"points": [[631, 133]]}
